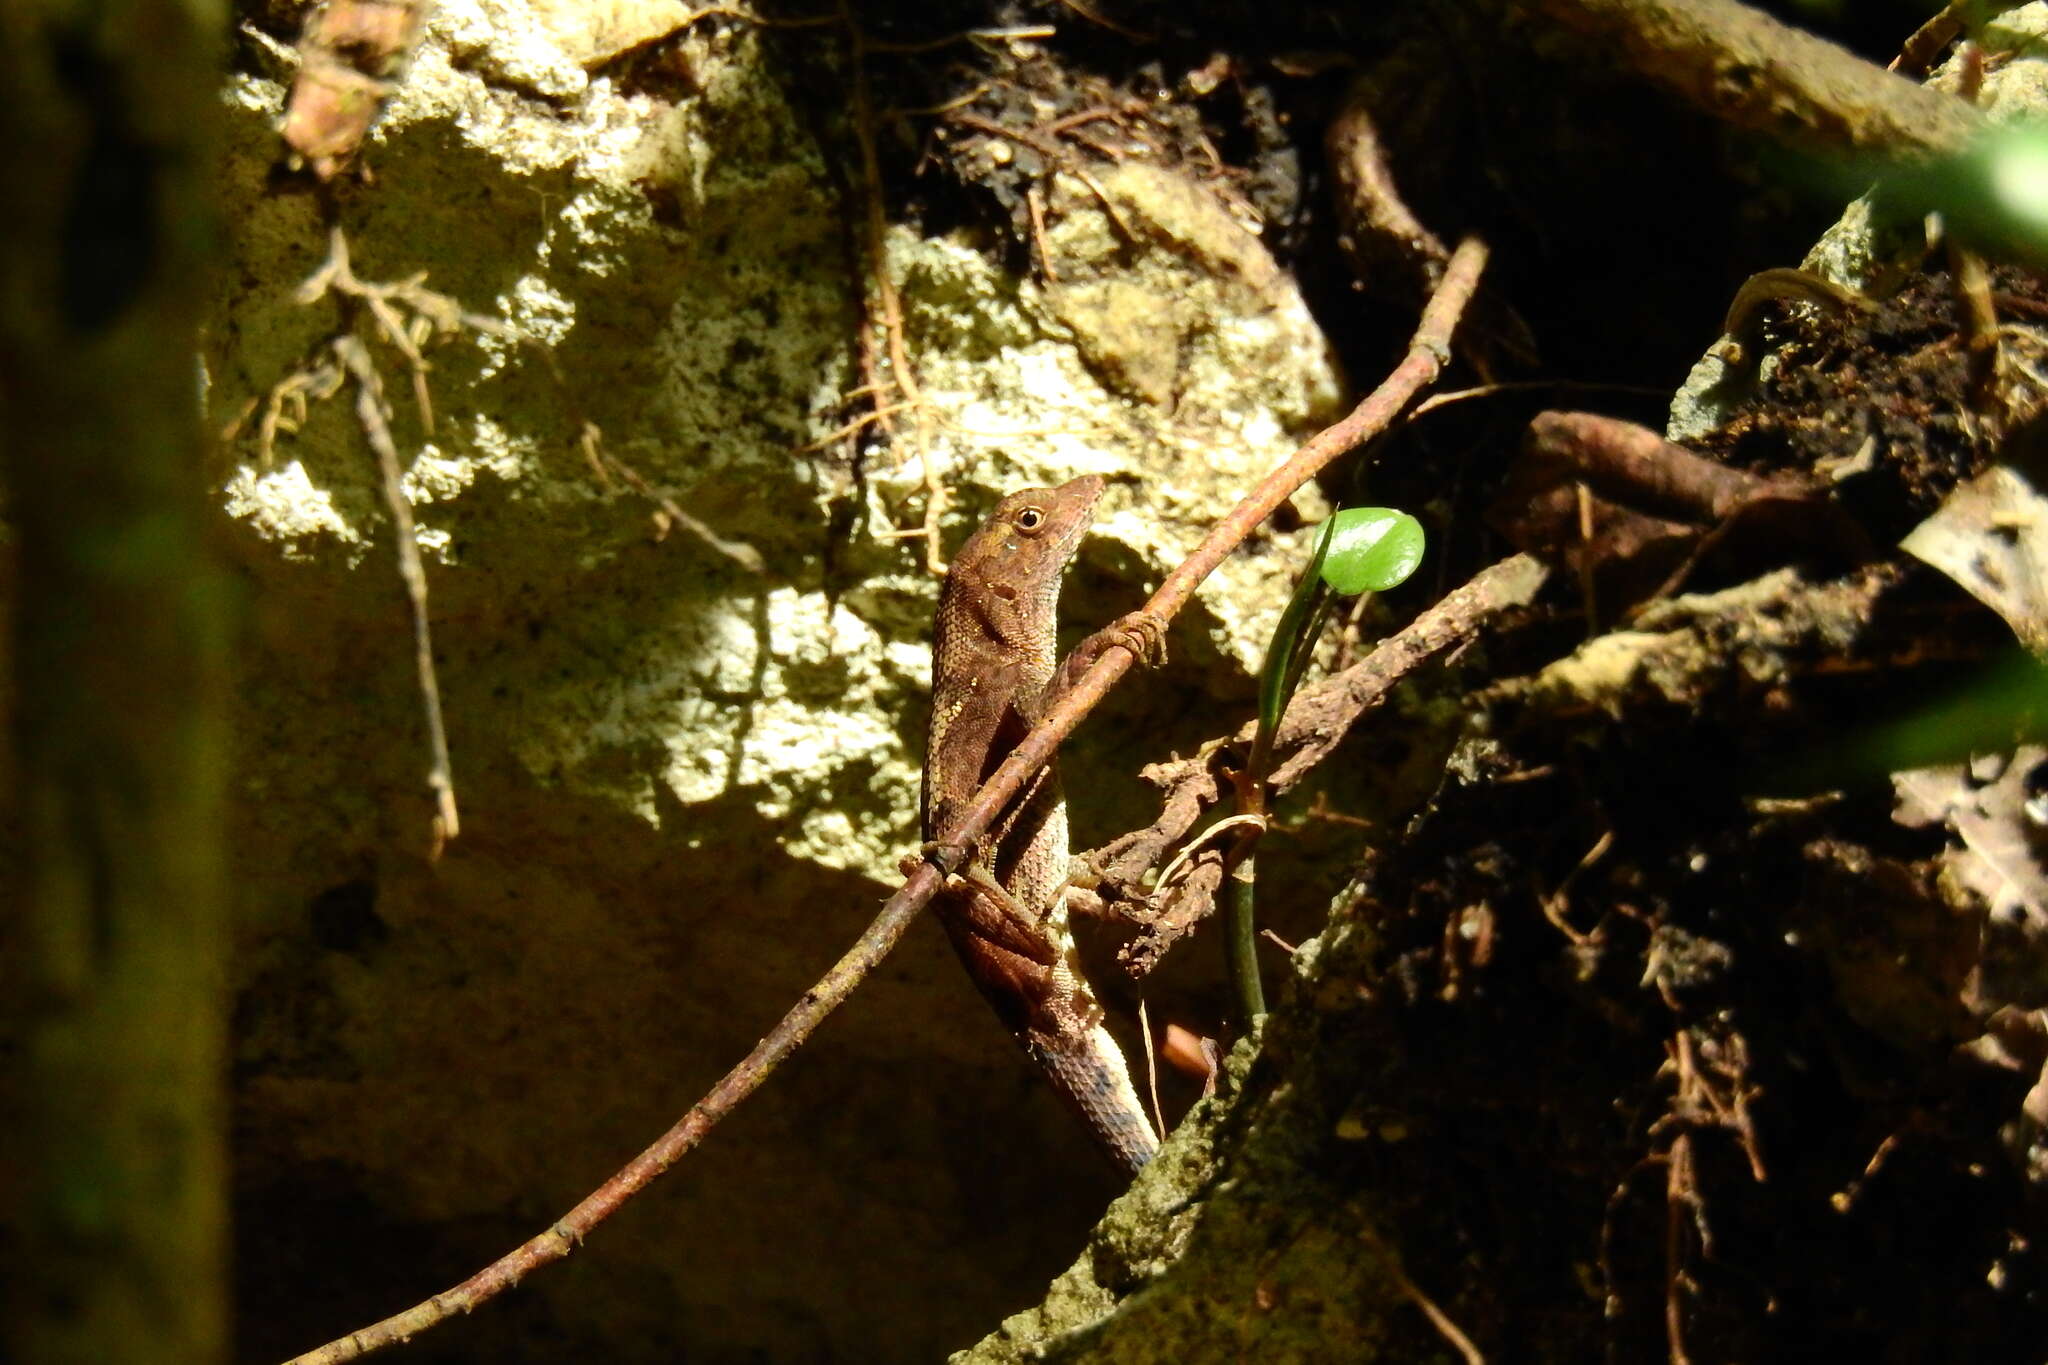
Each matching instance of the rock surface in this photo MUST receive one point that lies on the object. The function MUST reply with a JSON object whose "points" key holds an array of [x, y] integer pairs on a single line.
{"points": [[683, 784]]}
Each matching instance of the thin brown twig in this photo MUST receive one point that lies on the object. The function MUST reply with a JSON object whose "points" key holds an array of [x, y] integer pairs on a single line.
{"points": [[370, 412], [346, 356], [591, 441], [1557, 902], [1610, 1218], [1696, 1105], [1918, 52], [1589, 586], [284, 407], [1036, 140], [433, 313], [1151, 1066], [1079, 117], [1845, 1199], [960, 101], [1095, 18], [1320, 809], [1452, 1334], [886, 298], [996, 35], [1099, 144], [1256, 820], [1455, 396], [872, 417], [1327, 710], [1034, 202], [1680, 1193], [568, 1232], [604, 465], [1445, 1327], [1426, 358]]}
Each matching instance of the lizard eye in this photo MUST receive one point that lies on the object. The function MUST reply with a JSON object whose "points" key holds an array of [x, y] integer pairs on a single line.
{"points": [[1028, 519]]}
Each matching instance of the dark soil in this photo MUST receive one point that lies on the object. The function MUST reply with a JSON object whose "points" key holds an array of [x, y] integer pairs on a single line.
{"points": [[1675, 1069]]}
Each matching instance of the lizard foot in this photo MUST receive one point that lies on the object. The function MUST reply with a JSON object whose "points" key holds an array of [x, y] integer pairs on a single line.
{"points": [[1141, 632], [1083, 892]]}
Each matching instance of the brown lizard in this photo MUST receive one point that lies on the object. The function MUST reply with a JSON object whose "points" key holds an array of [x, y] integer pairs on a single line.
{"points": [[1006, 911]]}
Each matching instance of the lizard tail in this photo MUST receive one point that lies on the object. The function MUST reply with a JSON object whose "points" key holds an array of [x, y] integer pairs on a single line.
{"points": [[1088, 1070]]}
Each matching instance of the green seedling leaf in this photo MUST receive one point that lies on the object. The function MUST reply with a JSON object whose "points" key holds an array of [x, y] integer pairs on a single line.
{"points": [[1993, 195], [2016, 166], [1371, 549]]}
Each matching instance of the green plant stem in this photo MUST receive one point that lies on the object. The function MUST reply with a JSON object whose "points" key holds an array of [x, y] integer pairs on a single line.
{"points": [[1241, 934], [1286, 659]]}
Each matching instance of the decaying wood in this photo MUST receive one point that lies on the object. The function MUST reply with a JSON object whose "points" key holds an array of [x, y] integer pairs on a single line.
{"points": [[1614, 498], [1746, 68]]}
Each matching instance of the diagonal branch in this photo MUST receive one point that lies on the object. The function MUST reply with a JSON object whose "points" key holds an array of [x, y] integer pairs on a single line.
{"points": [[569, 1231]]}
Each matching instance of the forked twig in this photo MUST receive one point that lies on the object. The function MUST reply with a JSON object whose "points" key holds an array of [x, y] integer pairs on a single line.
{"points": [[1315, 722], [371, 414], [433, 313], [591, 442], [346, 356]]}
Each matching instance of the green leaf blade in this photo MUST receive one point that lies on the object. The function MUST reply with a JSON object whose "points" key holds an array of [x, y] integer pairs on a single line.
{"points": [[1371, 549]]}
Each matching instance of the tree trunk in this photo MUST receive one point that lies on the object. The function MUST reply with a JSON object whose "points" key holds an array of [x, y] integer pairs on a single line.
{"points": [[114, 941]]}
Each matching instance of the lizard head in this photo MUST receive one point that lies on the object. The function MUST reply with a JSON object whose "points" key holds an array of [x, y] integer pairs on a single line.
{"points": [[1026, 542]]}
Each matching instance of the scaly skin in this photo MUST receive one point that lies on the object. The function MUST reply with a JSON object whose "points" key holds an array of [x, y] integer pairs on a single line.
{"points": [[993, 675]]}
